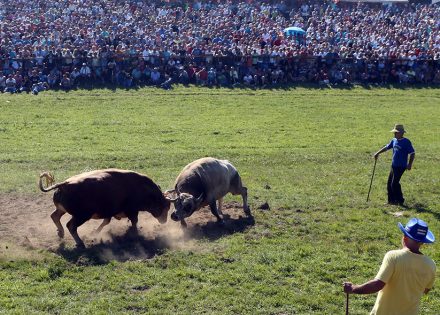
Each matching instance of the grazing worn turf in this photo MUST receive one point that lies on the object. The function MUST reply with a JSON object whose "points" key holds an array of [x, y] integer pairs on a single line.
{"points": [[306, 152]]}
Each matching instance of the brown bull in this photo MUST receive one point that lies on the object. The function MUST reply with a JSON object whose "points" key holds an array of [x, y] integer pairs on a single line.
{"points": [[202, 183], [104, 194]]}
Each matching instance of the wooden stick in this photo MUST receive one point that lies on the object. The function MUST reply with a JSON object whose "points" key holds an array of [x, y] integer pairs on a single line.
{"points": [[372, 176]]}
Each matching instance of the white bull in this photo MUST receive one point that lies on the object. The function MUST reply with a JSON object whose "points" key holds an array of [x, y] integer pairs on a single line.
{"points": [[202, 183]]}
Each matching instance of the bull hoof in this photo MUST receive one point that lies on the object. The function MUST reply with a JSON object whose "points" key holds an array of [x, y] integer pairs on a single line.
{"points": [[221, 222], [80, 246], [247, 211]]}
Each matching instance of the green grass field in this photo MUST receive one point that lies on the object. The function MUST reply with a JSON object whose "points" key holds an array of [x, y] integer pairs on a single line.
{"points": [[307, 152]]}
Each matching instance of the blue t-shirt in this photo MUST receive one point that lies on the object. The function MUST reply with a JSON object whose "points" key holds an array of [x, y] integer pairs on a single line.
{"points": [[401, 149]]}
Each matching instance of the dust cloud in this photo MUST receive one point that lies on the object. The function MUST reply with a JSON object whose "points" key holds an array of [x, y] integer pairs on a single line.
{"points": [[28, 233]]}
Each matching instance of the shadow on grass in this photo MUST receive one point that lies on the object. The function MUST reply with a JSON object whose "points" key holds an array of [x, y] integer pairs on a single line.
{"points": [[135, 246], [213, 230], [128, 246], [271, 87], [336, 86], [421, 208]]}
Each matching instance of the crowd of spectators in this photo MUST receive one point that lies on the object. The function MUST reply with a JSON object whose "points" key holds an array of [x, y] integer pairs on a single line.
{"points": [[61, 44]]}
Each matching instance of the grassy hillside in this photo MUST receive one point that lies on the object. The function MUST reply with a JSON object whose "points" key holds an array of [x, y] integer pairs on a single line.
{"points": [[306, 152]]}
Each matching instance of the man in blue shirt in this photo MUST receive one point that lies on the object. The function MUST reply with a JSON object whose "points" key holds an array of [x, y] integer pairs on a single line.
{"points": [[402, 147]]}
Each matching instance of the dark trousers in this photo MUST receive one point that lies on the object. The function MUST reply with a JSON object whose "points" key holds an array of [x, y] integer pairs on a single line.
{"points": [[394, 190]]}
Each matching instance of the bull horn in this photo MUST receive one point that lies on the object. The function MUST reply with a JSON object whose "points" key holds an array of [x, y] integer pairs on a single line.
{"points": [[199, 199], [167, 193], [171, 199]]}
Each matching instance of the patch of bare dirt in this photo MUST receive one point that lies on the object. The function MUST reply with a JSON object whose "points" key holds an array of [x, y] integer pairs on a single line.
{"points": [[26, 227]]}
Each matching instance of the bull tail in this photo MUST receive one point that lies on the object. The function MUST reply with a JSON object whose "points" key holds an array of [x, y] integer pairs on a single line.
{"points": [[49, 180]]}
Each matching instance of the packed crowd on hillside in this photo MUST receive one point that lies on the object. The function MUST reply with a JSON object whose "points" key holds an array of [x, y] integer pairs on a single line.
{"points": [[52, 44]]}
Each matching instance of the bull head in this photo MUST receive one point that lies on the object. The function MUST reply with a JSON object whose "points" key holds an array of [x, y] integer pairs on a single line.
{"points": [[185, 204]]}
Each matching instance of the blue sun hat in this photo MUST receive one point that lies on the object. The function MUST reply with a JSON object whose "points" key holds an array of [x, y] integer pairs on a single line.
{"points": [[417, 230]]}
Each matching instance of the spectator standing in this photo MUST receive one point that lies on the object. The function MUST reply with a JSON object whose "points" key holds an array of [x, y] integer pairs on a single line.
{"points": [[85, 74], [183, 76], [402, 147], [212, 77], [2, 81], [19, 81], [202, 76], [34, 77], [66, 83], [136, 73], [26, 85], [74, 76], [404, 276], [52, 79], [233, 74], [11, 84], [155, 76], [113, 37]]}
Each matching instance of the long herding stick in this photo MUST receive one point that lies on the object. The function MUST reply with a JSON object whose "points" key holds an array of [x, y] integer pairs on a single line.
{"points": [[371, 182]]}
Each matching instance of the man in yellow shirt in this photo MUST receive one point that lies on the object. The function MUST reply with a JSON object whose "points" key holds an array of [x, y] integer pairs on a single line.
{"points": [[404, 276]]}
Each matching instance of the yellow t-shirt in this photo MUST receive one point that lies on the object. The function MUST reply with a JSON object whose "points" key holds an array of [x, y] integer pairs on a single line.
{"points": [[406, 276]]}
